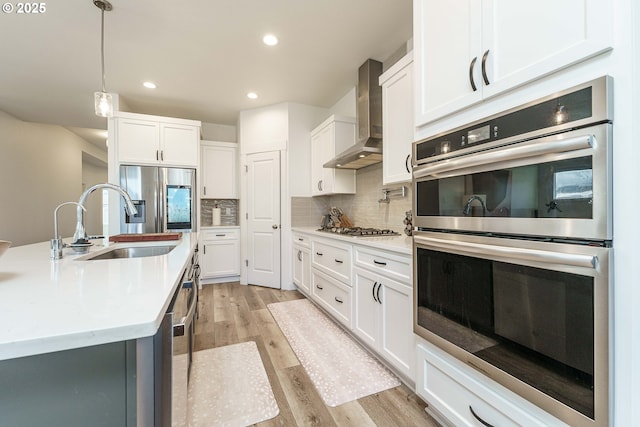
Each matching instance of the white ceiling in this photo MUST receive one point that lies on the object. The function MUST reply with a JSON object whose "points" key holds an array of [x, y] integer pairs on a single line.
{"points": [[204, 55]]}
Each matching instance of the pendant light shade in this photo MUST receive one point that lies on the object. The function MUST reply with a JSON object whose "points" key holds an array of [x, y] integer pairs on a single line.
{"points": [[103, 104], [103, 101]]}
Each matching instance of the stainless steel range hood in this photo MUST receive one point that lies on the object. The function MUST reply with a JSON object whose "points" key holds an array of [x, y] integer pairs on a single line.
{"points": [[368, 149]]}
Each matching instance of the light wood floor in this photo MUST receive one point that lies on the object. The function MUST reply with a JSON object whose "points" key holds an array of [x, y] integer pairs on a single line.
{"points": [[231, 313]]}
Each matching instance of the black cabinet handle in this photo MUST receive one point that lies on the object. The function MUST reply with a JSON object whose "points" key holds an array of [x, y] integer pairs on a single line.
{"points": [[338, 300], [319, 253], [484, 68], [338, 261], [299, 255], [378, 293], [301, 239], [406, 163], [379, 262], [220, 235], [373, 291], [473, 63], [319, 287], [483, 422]]}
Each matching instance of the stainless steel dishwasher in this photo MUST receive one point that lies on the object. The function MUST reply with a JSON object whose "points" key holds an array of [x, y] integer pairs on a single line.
{"points": [[174, 350]]}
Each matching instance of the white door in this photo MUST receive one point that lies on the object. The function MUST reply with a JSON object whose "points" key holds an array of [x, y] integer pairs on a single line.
{"points": [[263, 226]]}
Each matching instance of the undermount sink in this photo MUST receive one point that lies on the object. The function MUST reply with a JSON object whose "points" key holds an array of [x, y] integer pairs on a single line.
{"points": [[131, 252]]}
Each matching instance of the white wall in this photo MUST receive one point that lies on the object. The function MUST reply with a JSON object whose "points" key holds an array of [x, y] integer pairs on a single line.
{"points": [[93, 172], [346, 106], [215, 132], [40, 167]]}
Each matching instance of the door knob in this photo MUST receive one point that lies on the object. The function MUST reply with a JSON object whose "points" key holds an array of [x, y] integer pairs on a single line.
{"points": [[274, 226]]}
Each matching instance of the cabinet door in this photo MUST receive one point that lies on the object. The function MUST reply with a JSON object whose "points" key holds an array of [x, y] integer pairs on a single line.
{"points": [[366, 323], [179, 145], [321, 152], [396, 315], [219, 173], [521, 45], [220, 258], [397, 115], [138, 141], [301, 266], [447, 37]]}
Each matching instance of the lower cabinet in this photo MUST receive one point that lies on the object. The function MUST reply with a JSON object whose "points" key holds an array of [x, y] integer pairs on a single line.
{"points": [[220, 253], [301, 268], [464, 398], [333, 295], [383, 318]]}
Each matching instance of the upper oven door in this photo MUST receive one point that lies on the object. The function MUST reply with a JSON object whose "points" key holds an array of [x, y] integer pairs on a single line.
{"points": [[558, 185]]}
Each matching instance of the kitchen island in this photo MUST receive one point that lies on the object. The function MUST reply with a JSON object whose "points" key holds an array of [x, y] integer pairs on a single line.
{"points": [[76, 341]]}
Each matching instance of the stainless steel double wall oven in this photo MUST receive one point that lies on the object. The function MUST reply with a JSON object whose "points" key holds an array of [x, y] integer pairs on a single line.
{"points": [[513, 246]]}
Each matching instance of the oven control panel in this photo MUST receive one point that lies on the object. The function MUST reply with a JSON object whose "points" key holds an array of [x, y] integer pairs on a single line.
{"points": [[560, 112]]}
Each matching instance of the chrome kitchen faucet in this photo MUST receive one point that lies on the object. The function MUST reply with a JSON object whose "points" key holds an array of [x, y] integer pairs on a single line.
{"points": [[80, 235]]}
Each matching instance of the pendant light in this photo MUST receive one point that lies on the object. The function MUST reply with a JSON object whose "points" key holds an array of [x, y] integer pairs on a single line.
{"points": [[103, 100]]}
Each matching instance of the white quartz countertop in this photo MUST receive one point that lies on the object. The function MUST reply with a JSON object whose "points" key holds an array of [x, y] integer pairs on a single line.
{"points": [[401, 244], [49, 305]]}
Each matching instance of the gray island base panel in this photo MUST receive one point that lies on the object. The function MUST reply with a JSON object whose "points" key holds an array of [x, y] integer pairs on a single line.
{"points": [[89, 386]]}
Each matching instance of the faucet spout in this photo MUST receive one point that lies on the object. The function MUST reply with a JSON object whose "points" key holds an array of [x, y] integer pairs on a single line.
{"points": [[80, 235], [467, 207]]}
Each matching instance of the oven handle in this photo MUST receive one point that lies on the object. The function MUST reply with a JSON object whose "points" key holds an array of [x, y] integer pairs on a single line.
{"points": [[575, 260], [505, 154]]}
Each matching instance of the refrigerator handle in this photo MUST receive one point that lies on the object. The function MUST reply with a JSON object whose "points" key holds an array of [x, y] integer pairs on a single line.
{"points": [[162, 194]]}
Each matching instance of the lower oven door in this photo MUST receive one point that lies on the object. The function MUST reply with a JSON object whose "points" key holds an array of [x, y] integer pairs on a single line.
{"points": [[184, 312], [532, 315]]}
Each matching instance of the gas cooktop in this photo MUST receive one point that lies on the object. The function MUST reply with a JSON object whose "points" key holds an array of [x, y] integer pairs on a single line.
{"points": [[359, 231]]}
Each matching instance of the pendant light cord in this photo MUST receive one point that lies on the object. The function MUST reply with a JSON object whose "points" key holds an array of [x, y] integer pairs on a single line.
{"points": [[102, 48]]}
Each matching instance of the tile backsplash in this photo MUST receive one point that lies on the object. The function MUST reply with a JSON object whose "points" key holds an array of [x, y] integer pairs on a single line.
{"points": [[228, 211], [362, 208]]}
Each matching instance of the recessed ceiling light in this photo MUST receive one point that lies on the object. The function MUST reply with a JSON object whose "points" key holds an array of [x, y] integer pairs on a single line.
{"points": [[149, 85], [252, 95], [270, 40]]}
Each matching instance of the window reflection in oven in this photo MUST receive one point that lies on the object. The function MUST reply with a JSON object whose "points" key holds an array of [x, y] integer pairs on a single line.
{"points": [[557, 189], [535, 324]]}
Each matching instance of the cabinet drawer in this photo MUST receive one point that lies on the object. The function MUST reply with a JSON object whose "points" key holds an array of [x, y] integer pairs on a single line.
{"points": [[301, 239], [221, 234], [392, 265], [333, 259], [454, 394], [334, 296]]}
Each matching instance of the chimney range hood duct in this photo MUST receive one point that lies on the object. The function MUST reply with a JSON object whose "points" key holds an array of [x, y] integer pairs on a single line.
{"points": [[368, 148]]}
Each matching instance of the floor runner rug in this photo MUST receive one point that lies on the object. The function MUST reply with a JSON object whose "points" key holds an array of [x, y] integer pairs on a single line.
{"points": [[339, 367], [229, 387]]}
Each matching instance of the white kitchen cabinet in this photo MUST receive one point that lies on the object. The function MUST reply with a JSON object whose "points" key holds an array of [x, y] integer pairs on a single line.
{"points": [[469, 50], [383, 310], [151, 140], [463, 396], [218, 170], [334, 296], [333, 136], [397, 121], [220, 256], [302, 263]]}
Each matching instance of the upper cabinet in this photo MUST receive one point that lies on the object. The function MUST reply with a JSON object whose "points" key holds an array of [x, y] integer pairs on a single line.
{"points": [[397, 121], [333, 136], [218, 171], [151, 140], [469, 50]]}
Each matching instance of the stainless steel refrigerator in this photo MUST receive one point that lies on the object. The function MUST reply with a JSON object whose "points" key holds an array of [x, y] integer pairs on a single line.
{"points": [[164, 197]]}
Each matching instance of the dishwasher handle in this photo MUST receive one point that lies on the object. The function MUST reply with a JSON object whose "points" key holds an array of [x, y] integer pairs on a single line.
{"points": [[180, 328]]}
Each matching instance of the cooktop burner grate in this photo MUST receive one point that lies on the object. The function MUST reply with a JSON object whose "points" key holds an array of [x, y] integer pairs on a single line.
{"points": [[360, 231]]}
